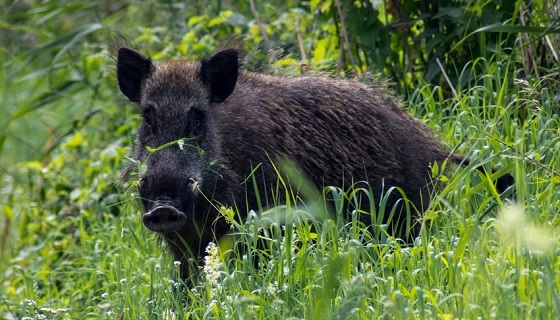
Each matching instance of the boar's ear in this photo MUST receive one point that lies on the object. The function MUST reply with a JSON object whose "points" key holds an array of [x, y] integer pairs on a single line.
{"points": [[219, 73], [132, 69]]}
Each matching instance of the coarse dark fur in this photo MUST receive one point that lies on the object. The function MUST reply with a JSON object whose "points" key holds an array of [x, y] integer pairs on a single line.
{"points": [[336, 131]]}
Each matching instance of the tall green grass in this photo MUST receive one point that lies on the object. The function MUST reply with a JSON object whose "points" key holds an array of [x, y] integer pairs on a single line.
{"points": [[72, 245]]}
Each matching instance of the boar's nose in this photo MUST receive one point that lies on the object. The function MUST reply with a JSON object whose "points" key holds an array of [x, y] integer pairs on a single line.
{"points": [[164, 217], [164, 200]]}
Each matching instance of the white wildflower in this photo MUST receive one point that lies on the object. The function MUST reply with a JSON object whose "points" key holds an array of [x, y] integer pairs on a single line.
{"points": [[30, 302], [169, 315], [212, 264], [53, 311], [272, 288]]}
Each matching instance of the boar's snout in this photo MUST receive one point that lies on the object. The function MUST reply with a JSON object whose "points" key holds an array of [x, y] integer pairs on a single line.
{"points": [[164, 217], [165, 200]]}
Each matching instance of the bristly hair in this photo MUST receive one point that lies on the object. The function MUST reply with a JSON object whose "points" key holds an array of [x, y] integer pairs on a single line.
{"points": [[117, 42], [234, 42]]}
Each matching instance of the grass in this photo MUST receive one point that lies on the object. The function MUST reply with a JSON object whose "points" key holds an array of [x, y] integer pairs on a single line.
{"points": [[458, 268], [72, 245]]}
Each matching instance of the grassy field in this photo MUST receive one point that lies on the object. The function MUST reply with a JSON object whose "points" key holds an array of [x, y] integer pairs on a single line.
{"points": [[72, 245]]}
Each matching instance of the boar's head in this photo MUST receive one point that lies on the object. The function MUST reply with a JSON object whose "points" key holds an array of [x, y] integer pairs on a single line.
{"points": [[176, 140]]}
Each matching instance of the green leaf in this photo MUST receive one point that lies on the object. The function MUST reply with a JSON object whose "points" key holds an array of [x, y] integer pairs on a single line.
{"points": [[180, 142]]}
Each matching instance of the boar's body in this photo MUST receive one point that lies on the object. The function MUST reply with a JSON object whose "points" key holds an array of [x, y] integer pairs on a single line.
{"points": [[336, 131]]}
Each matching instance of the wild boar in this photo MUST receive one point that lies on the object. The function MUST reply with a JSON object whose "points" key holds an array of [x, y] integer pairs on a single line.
{"points": [[208, 125]]}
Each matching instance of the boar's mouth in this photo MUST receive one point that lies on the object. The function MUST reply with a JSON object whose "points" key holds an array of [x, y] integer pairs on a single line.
{"points": [[164, 218]]}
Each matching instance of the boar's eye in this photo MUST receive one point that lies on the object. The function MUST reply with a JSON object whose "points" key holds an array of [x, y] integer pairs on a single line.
{"points": [[195, 123], [148, 114]]}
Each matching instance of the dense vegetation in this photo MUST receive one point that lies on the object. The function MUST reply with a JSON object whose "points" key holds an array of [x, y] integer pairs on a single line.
{"points": [[483, 74]]}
